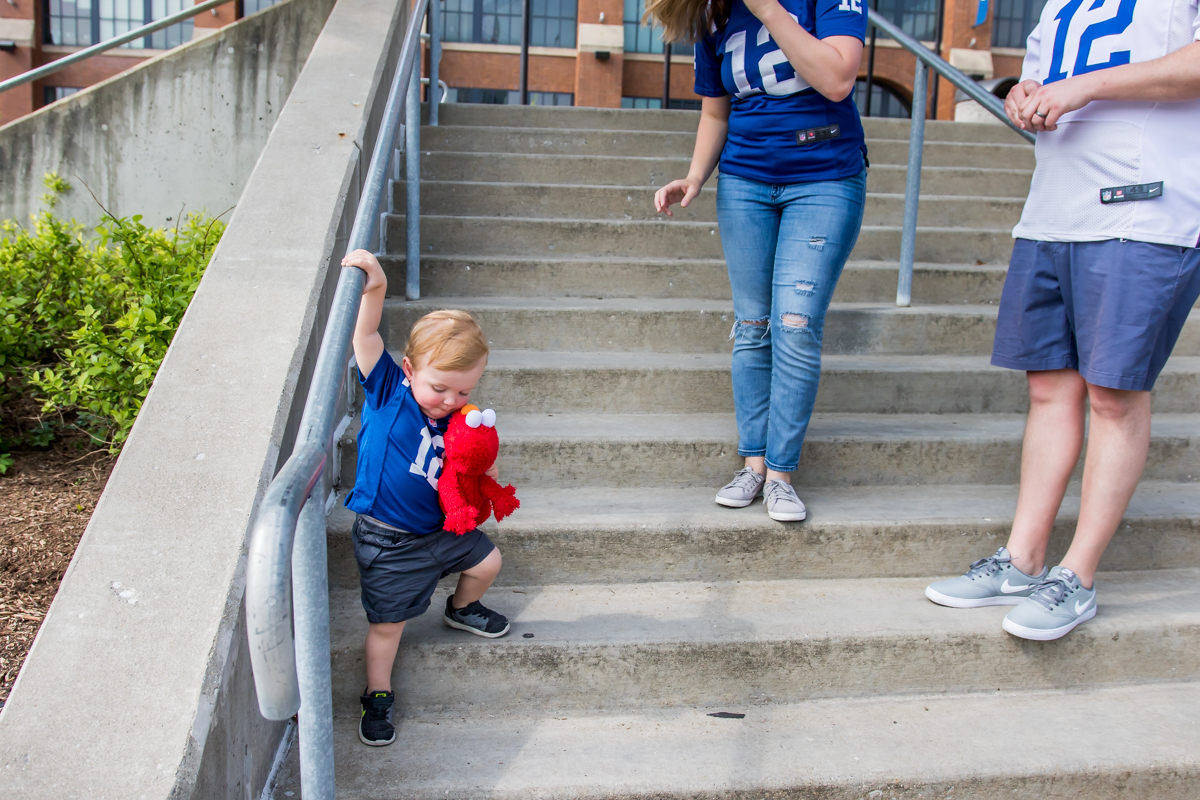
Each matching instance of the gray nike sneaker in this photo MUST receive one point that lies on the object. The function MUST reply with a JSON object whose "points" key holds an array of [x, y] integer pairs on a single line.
{"points": [[741, 491], [782, 503], [1056, 606], [992, 581]]}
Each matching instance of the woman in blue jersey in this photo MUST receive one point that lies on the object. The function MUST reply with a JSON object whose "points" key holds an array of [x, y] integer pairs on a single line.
{"points": [[776, 77]]}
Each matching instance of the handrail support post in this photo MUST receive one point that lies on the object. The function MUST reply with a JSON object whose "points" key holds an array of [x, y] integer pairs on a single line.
{"points": [[435, 58], [412, 175], [912, 184], [310, 599]]}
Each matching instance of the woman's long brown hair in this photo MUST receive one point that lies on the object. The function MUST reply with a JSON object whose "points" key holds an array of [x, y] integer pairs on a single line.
{"points": [[687, 20]]}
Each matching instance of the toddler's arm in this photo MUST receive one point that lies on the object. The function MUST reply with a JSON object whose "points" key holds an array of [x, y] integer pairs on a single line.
{"points": [[368, 344]]}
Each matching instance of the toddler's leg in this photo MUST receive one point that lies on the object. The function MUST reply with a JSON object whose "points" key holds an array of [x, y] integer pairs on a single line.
{"points": [[383, 640], [474, 582]]}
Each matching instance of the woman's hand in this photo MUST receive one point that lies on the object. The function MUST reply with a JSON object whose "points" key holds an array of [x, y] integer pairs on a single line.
{"points": [[763, 8], [681, 191]]}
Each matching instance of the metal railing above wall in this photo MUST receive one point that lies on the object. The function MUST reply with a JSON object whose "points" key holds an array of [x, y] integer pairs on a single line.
{"points": [[287, 584], [927, 60], [97, 49]]}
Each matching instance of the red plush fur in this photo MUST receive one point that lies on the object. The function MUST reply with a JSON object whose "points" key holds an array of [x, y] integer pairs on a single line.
{"points": [[468, 497]]}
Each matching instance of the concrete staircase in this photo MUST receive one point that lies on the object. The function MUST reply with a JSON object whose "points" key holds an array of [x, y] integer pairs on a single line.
{"points": [[640, 608]]}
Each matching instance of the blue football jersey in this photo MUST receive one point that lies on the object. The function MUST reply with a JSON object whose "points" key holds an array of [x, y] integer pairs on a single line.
{"points": [[400, 453], [772, 106]]}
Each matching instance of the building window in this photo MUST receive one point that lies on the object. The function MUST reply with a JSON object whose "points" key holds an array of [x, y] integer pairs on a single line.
{"points": [[917, 18], [884, 102], [79, 23], [51, 94], [254, 6], [499, 22], [1014, 21], [656, 102], [507, 97], [638, 37]]}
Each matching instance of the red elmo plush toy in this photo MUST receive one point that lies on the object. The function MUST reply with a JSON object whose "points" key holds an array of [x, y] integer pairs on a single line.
{"points": [[467, 496]]}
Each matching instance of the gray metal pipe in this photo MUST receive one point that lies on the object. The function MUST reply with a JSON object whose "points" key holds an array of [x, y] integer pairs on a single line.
{"points": [[435, 59], [912, 184], [412, 177], [310, 582]]}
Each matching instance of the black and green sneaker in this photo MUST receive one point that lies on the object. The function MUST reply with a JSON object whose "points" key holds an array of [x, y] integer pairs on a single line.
{"points": [[375, 725], [475, 618]]}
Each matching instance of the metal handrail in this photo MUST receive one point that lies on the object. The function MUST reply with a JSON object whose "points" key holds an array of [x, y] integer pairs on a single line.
{"points": [[926, 60], [96, 49], [286, 575]]}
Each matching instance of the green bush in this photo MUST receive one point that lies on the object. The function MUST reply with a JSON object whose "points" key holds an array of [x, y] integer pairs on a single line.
{"points": [[86, 323]]}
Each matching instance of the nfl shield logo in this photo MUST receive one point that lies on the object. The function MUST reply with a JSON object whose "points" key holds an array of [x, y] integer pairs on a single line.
{"points": [[1106, 195], [803, 137]]}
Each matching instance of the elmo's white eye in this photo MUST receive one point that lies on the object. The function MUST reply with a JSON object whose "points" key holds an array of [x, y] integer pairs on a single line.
{"points": [[474, 417], [489, 418]]}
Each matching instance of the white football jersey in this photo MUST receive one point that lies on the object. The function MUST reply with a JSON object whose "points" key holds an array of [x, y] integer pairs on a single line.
{"points": [[1108, 144]]}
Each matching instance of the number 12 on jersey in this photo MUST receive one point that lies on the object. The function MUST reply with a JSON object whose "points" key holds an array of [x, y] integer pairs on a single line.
{"points": [[1113, 26]]}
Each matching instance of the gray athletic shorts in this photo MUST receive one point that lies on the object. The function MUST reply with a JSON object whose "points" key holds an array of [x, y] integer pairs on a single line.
{"points": [[1111, 310], [398, 571]]}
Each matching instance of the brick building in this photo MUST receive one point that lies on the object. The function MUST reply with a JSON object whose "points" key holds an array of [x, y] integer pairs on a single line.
{"points": [[582, 52]]}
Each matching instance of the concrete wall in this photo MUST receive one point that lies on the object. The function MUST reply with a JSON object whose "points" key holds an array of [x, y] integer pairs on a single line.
{"points": [[181, 130], [138, 685]]}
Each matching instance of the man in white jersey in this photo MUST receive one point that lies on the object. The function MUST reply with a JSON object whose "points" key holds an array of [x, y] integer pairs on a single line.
{"points": [[1104, 273]]}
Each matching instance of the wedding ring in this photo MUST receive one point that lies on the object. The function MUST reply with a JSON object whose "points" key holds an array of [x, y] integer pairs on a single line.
{"points": [[1040, 114]]}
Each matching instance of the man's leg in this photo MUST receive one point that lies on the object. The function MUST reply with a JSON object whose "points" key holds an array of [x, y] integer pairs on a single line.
{"points": [[1053, 441], [1118, 441]]}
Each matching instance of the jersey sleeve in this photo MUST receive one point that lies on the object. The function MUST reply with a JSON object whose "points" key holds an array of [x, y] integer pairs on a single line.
{"points": [[708, 69], [1031, 67], [384, 383], [1196, 21], [841, 18]]}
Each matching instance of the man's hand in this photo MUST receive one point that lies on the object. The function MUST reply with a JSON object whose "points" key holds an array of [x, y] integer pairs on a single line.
{"points": [[1044, 105], [1015, 101], [681, 191], [369, 264]]}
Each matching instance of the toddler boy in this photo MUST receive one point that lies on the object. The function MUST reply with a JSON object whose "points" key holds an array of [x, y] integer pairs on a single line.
{"points": [[399, 544]]}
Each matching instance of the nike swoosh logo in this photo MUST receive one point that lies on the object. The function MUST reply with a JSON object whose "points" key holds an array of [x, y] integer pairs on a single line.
{"points": [[1008, 588], [1079, 609]]}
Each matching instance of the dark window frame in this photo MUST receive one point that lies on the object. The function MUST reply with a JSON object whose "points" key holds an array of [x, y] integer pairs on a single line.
{"points": [[55, 15], [1012, 16], [553, 24]]}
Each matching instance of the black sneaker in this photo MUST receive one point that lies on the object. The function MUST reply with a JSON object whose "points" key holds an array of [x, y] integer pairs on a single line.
{"points": [[375, 725], [476, 618]]}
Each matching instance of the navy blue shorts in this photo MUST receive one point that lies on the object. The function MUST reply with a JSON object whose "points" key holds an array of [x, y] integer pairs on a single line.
{"points": [[1111, 310], [398, 571]]}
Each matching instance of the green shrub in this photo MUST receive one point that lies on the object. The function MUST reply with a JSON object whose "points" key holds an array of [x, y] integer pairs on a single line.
{"points": [[87, 323]]}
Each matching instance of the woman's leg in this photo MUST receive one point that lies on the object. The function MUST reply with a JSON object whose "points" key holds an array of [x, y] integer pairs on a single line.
{"points": [[818, 230], [749, 221]]}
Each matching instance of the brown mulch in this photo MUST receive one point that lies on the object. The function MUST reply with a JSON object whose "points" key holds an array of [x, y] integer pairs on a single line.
{"points": [[46, 499]]}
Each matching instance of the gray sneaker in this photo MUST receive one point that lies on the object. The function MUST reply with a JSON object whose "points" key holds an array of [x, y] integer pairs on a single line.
{"points": [[991, 581], [741, 491], [1057, 605], [782, 503]]}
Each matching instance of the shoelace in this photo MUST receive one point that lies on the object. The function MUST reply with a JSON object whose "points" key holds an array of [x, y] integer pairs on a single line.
{"points": [[746, 479], [1051, 593], [987, 566], [778, 490]]}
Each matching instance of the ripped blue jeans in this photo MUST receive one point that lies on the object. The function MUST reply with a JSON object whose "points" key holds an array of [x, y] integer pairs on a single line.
{"points": [[785, 246]]}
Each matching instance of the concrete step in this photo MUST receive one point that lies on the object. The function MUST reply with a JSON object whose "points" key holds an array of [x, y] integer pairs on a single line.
{"points": [[686, 121], [672, 278], [667, 238], [646, 171], [703, 326], [574, 201], [748, 643], [700, 450], [497, 139], [1109, 743], [597, 535], [620, 383], [699, 326]]}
